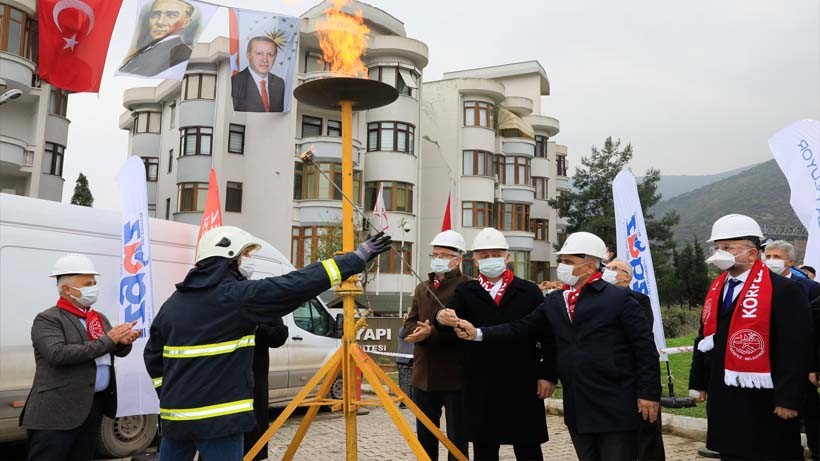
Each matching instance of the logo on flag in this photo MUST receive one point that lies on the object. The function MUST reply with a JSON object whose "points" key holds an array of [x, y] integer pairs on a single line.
{"points": [[380, 221], [212, 216]]}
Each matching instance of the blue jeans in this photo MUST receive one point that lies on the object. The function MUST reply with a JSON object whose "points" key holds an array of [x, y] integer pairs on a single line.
{"points": [[225, 449]]}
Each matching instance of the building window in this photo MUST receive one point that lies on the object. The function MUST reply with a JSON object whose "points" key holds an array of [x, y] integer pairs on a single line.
{"points": [[541, 186], [18, 33], [517, 170], [151, 168], [476, 214], [398, 196], [539, 271], [192, 196], [513, 217], [391, 137], [53, 159], [477, 113], [308, 244], [541, 146], [404, 80], [311, 126], [520, 263], [390, 263], [540, 227], [561, 165], [168, 209], [58, 103], [479, 163], [199, 86], [170, 160], [233, 197], [195, 140], [147, 122], [310, 184], [236, 139], [334, 128], [28, 158], [173, 115]]}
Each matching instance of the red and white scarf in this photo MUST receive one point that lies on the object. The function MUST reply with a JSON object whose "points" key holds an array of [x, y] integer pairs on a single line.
{"points": [[504, 282], [747, 363], [573, 294], [93, 320]]}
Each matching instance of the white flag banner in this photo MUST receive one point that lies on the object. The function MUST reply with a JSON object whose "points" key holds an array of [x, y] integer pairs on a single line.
{"points": [[135, 391], [633, 247], [380, 220], [796, 149]]}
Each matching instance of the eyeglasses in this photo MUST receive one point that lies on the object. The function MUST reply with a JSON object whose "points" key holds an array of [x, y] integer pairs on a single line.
{"points": [[442, 256], [729, 248]]}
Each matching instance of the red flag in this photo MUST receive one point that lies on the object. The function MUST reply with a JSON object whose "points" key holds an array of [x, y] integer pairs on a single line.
{"points": [[212, 216], [447, 223], [74, 37], [233, 33]]}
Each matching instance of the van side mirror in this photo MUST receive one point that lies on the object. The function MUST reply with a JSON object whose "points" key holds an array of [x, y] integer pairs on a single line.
{"points": [[339, 327]]}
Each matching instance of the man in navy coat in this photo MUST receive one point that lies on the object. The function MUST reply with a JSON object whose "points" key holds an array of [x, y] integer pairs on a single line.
{"points": [[256, 89]]}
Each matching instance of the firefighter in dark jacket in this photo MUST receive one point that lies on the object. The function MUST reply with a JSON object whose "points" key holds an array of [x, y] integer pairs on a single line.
{"points": [[504, 384], [438, 371], [200, 350], [607, 360], [752, 354]]}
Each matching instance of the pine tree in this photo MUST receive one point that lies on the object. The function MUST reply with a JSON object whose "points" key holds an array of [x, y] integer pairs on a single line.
{"points": [[699, 273], [82, 193]]}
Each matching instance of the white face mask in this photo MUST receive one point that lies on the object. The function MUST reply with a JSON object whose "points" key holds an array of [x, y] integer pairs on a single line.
{"points": [[88, 295], [723, 260], [440, 266], [564, 274], [246, 266], [492, 267], [778, 266], [610, 276]]}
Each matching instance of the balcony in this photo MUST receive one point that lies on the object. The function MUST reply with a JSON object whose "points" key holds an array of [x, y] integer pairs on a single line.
{"points": [[478, 138], [318, 212], [523, 147], [548, 125], [518, 193], [17, 71], [188, 217], [562, 183], [518, 105], [329, 148], [57, 129], [195, 112], [477, 189], [193, 168], [146, 144], [519, 240], [12, 155]]}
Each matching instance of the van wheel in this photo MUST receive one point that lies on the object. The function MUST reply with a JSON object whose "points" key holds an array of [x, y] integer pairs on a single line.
{"points": [[126, 436], [337, 390]]}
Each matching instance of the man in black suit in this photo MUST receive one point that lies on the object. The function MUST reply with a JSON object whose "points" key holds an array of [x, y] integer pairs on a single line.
{"points": [[255, 89], [780, 258], [753, 350], [165, 49]]}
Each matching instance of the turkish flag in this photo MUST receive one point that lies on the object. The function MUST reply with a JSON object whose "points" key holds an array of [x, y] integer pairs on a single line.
{"points": [[74, 37], [212, 216], [447, 224]]}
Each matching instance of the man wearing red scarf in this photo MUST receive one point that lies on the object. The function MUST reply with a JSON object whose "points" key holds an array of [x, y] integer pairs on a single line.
{"points": [[752, 354], [74, 383]]}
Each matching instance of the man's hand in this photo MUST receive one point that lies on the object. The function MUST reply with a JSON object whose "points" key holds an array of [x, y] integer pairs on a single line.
{"points": [[785, 413], [648, 410], [702, 396], [545, 389], [466, 330], [373, 246], [420, 333], [447, 317], [123, 333], [813, 378]]}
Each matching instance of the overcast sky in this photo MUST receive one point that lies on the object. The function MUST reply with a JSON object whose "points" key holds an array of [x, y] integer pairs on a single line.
{"points": [[696, 86]]}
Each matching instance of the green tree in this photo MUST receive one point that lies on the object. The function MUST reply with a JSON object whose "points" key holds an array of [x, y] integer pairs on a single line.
{"points": [[699, 274], [82, 193]]}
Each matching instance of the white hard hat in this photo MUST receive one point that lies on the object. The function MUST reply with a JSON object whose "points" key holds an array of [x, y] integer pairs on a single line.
{"points": [[735, 226], [73, 263], [490, 239], [225, 241], [450, 239], [584, 243]]}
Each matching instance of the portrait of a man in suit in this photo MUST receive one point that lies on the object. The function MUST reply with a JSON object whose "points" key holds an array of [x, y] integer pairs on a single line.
{"points": [[255, 88], [161, 44]]}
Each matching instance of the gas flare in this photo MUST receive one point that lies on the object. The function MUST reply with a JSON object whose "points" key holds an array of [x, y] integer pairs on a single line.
{"points": [[343, 39]]}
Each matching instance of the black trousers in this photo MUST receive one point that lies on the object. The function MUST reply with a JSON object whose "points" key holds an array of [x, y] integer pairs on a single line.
{"points": [[811, 419], [76, 444], [431, 403], [650, 441], [523, 451], [605, 446]]}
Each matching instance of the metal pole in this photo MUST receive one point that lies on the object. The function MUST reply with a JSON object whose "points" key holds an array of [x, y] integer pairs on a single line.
{"points": [[348, 288], [401, 274]]}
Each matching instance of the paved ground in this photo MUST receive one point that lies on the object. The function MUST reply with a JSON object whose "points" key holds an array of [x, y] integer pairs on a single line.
{"points": [[379, 440]]}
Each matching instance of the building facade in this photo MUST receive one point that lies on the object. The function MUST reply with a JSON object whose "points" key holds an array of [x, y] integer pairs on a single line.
{"points": [[33, 125], [412, 149]]}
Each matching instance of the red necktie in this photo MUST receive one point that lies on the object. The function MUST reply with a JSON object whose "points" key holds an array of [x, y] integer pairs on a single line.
{"points": [[264, 90]]}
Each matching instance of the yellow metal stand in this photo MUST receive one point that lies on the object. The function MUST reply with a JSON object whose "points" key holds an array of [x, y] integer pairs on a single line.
{"points": [[349, 356]]}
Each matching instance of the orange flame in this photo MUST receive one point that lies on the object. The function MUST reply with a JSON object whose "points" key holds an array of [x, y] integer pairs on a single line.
{"points": [[343, 39]]}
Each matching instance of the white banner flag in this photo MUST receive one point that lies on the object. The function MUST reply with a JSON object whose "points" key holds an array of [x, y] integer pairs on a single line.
{"points": [[796, 149], [135, 391], [633, 247], [380, 220]]}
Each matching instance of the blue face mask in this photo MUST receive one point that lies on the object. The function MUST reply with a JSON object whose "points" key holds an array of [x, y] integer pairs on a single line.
{"points": [[492, 267], [440, 266]]}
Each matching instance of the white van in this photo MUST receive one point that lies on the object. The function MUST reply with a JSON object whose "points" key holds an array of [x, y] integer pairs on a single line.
{"points": [[34, 233]]}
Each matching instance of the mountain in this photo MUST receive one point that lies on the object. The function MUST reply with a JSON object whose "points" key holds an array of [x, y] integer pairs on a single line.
{"points": [[760, 192], [673, 185]]}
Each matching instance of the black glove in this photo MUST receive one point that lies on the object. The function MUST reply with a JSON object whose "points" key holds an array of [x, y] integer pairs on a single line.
{"points": [[371, 247]]}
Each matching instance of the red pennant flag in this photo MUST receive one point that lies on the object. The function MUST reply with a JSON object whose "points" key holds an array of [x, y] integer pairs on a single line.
{"points": [[447, 223], [212, 216], [233, 33], [74, 37]]}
